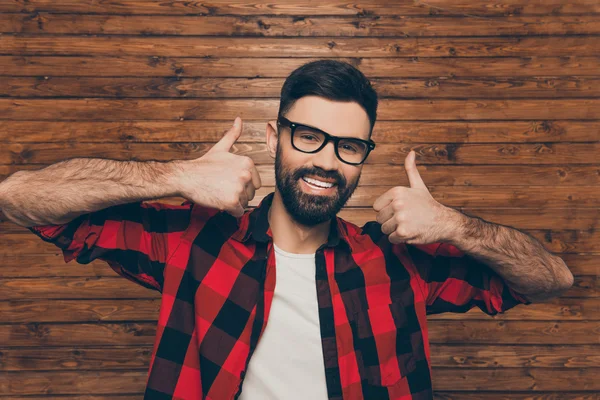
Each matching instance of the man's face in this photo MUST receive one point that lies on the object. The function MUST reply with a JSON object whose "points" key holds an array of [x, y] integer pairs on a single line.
{"points": [[308, 204]]}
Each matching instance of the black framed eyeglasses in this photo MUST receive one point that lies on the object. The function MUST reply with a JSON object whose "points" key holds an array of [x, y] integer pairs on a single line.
{"points": [[308, 139]]}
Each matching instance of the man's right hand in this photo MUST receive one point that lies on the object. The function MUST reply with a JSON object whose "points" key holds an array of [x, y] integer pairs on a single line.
{"points": [[220, 179]]}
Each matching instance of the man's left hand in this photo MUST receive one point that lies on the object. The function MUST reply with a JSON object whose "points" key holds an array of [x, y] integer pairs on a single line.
{"points": [[410, 214]]}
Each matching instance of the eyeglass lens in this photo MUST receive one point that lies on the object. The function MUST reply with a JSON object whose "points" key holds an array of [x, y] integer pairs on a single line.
{"points": [[309, 140]]}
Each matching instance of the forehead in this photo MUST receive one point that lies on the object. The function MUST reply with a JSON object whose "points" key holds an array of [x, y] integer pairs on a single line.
{"points": [[334, 117]]}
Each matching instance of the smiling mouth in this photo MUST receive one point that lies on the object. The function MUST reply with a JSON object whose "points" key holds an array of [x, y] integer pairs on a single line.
{"points": [[317, 184]]}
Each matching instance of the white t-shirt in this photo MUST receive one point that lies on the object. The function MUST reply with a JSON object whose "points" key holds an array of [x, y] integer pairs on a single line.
{"points": [[288, 360]]}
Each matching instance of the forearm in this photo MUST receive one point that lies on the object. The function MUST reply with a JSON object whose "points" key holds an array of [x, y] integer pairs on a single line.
{"points": [[520, 259], [63, 191]]}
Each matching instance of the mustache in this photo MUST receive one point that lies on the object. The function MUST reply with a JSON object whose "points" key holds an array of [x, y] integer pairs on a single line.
{"points": [[319, 173]]}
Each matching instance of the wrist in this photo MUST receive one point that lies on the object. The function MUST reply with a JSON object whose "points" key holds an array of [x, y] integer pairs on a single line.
{"points": [[170, 177], [454, 221]]}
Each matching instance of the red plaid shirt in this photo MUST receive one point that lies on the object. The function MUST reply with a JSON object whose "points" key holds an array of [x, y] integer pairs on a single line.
{"points": [[216, 274]]}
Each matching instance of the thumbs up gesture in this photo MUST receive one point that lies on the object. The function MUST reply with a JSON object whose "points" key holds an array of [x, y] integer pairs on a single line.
{"points": [[220, 179], [410, 214]]}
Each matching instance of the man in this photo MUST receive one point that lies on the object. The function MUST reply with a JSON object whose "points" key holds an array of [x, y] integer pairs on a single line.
{"points": [[346, 306]]}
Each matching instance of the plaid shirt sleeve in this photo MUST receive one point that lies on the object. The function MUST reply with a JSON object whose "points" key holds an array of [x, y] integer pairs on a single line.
{"points": [[135, 239], [456, 282]]}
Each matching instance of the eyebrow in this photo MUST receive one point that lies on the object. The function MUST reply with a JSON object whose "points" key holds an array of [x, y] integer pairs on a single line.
{"points": [[321, 130]]}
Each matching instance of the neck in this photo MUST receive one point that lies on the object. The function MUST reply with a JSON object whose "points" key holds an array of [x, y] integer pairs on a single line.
{"points": [[291, 236]]}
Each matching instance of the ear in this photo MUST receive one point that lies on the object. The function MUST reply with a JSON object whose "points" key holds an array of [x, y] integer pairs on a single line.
{"points": [[272, 137]]}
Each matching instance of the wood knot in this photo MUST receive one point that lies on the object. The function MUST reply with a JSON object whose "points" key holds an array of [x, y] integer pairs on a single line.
{"points": [[359, 25], [178, 69], [512, 150], [262, 25], [366, 13], [153, 61]]}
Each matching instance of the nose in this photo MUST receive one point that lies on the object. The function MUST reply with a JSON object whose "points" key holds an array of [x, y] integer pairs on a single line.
{"points": [[326, 158]]}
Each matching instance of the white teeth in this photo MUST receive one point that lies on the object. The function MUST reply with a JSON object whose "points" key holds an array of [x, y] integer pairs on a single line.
{"points": [[318, 183]]}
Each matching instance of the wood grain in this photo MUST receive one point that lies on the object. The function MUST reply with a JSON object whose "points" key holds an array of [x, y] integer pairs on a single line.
{"points": [[121, 65], [182, 46], [533, 379], [513, 332], [79, 358], [80, 334], [292, 26], [73, 288], [307, 7], [25, 383], [497, 356], [273, 67], [213, 88], [113, 310]]}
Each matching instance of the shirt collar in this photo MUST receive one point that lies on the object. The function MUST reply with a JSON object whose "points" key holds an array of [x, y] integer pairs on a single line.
{"points": [[255, 224]]}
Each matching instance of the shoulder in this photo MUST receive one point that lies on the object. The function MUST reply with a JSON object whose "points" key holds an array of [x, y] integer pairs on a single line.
{"points": [[212, 221]]}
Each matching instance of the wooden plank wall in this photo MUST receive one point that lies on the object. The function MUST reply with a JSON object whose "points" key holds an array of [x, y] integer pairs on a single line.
{"points": [[500, 100]]}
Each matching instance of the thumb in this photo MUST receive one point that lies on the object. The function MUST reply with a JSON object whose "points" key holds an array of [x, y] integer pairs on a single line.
{"points": [[412, 172], [230, 137]]}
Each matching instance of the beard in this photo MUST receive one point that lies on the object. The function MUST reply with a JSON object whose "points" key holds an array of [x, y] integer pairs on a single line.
{"points": [[305, 208]]}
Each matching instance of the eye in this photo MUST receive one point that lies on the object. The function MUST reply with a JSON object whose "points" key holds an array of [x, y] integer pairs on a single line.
{"points": [[349, 148], [308, 137]]}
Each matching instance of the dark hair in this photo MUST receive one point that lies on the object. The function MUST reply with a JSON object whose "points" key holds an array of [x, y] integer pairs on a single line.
{"points": [[333, 80]]}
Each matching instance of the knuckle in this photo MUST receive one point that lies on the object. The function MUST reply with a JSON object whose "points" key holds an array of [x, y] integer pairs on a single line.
{"points": [[399, 218], [246, 175], [390, 230]]}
